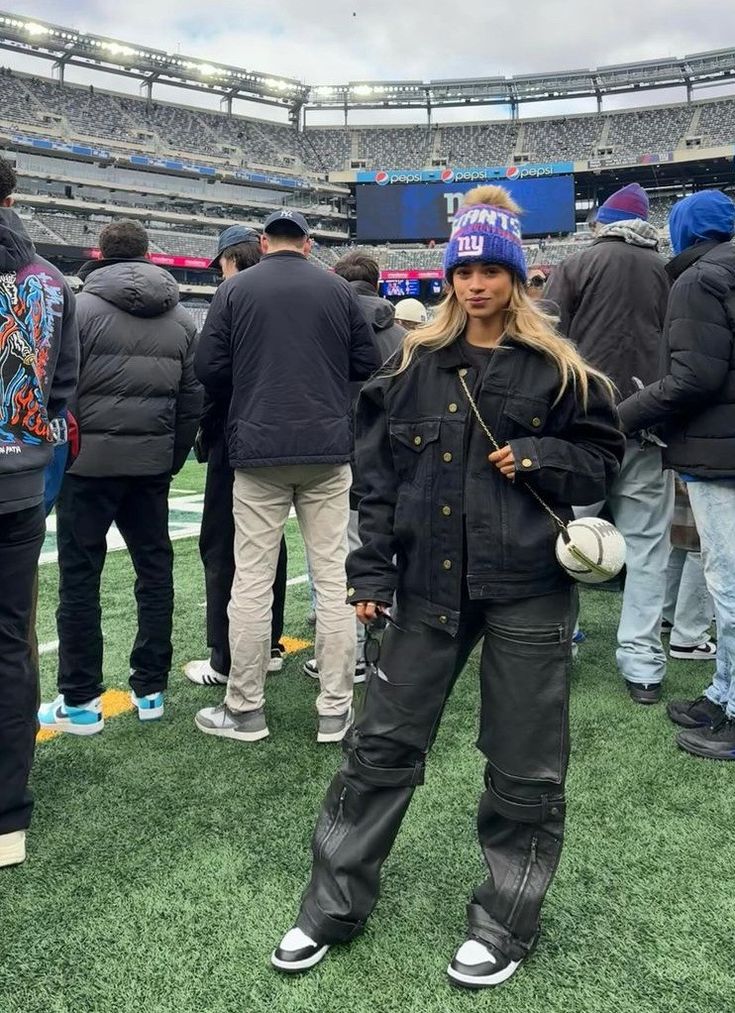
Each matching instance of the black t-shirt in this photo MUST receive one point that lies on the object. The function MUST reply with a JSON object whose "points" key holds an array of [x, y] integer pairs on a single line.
{"points": [[478, 357], [478, 446]]}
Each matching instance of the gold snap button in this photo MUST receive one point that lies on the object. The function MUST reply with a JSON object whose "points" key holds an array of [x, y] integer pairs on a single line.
{"points": [[447, 457], [536, 422], [350, 592], [452, 408], [443, 619], [527, 462], [447, 510], [447, 564], [463, 372], [417, 440]]}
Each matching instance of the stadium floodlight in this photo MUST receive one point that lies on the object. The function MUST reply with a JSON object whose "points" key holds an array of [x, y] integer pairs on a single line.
{"points": [[361, 89], [33, 28], [207, 70], [116, 49]]}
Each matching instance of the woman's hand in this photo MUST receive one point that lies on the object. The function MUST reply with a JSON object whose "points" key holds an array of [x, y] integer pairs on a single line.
{"points": [[504, 462], [368, 611]]}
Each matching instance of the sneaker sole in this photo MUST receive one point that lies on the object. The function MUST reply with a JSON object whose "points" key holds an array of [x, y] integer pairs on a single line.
{"points": [[151, 714], [296, 966], [275, 665], [310, 672], [488, 981], [71, 729], [232, 733], [686, 656], [693, 751], [13, 854]]}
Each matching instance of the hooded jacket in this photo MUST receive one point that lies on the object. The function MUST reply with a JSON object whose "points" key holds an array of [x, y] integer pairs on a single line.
{"points": [[39, 362], [612, 300], [695, 399], [381, 315], [138, 399]]}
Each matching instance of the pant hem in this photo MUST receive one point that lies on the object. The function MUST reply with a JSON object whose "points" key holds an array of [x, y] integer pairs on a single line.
{"points": [[324, 929]]}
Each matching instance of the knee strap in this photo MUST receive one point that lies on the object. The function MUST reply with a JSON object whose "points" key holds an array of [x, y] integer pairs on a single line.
{"points": [[524, 811], [384, 777]]}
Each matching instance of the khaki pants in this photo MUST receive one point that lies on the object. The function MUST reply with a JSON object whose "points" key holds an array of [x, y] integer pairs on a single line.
{"points": [[262, 499]]}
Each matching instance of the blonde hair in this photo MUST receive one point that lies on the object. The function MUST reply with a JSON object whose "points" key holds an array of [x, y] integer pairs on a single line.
{"points": [[525, 323]]}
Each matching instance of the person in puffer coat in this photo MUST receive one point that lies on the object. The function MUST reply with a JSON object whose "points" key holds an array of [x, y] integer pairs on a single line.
{"points": [[138, 405], [695, 403]]}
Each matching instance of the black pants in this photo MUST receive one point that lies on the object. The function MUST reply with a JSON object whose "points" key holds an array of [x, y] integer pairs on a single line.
{"points": [[85, 511], [524, 675], [21, 538], [217, 549]]}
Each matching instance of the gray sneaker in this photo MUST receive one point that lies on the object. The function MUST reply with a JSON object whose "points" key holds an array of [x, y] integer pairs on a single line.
{"points": [[246, 727], [333, 727]]}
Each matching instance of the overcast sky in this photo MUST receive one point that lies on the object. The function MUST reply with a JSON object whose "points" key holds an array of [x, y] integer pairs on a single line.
{"points": [[333, 41]]}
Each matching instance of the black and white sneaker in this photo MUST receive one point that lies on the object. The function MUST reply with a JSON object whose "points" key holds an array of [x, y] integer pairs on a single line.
{"points": [[480, 965], [202, 673], [297, 952], [311, 669], [700, 652], [278, 653]]}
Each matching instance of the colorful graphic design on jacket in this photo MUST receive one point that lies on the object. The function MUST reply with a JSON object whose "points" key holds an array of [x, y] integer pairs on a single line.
{"points": [[29, 304]]}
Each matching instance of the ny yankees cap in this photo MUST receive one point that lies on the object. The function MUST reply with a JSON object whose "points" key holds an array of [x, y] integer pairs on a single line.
{"points": [[286, 215]]}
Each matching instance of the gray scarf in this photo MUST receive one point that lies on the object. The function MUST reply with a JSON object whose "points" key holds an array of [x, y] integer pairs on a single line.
{"points": [[634, 231]]}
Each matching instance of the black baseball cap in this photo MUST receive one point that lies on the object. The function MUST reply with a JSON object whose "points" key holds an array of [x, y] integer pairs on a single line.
{"points": [[287, 215], [232, 236]]}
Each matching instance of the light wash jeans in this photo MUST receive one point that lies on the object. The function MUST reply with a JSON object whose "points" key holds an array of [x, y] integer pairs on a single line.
{"points": [[688, 606], [642, 504], [713, 506]]}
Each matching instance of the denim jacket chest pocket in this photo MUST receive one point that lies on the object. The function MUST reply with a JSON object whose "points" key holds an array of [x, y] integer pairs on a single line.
{"points": [[525, 416], [411, 443]]}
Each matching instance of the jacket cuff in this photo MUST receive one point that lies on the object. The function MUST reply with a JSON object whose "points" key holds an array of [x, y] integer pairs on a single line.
{"points": [[526, 454], [360, 593]]}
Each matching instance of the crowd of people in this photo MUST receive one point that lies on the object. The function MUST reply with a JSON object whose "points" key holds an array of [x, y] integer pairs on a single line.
{"points": [[407, 448]]}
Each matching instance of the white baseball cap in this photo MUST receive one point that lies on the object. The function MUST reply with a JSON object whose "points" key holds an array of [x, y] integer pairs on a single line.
{"points": [[411, 310]]}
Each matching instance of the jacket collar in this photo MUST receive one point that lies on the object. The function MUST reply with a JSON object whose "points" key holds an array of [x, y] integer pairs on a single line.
{"points": [[94, 265], [676, 267], [455, 355]]}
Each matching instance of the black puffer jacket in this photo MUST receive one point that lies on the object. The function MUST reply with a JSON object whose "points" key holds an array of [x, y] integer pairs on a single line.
{"points": [[138, 398], [422, 482], [696, 397]]}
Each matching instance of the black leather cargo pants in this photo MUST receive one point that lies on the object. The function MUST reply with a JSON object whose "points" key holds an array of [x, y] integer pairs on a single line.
{"points": [[524, 673]]}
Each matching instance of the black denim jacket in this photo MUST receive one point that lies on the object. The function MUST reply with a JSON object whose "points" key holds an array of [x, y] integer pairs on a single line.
{"points": [[441, 510]]}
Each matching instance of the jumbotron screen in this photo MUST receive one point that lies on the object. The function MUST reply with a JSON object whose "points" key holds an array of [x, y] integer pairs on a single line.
{"points": [[416, 212]]}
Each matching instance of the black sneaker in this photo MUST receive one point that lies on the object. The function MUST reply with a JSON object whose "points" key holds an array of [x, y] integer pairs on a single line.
{"points": [[645, 694], [666, 627], [480, 965], [699, 713], [714, 743], [297, 952]]}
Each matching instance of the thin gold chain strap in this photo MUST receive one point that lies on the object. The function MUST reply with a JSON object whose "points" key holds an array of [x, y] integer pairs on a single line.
{"points": [[557, 520]]}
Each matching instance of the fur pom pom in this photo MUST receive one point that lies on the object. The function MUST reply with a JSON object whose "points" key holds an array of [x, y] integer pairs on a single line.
{"points": [[498, 196]]}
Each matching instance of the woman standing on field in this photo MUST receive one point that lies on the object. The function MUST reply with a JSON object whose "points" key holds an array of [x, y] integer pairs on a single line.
{"points": [[449, 530]]}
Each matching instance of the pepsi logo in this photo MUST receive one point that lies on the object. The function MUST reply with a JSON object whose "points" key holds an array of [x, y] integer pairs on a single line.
{"points": [[381, 178], [447, 175], [512, 172]]}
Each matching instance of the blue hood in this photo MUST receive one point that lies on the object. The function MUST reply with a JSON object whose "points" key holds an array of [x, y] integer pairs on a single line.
{"points": [[702, 217]]}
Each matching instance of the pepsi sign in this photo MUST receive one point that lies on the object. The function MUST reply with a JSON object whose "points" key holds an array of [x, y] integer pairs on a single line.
{"points": [[531, 170]]}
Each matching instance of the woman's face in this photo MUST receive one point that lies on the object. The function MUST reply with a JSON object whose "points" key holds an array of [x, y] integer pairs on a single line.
{"points": [[483, 290]]}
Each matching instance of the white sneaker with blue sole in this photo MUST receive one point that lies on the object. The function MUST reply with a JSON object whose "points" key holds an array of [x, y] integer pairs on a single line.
{"points": [[60, 717], [150, 707]]}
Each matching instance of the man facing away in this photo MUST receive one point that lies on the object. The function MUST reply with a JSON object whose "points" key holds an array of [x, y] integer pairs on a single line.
{"points": [[288, 337], [612, 300], [39, 360], [138, 407], [695, 401], [363, 274]]}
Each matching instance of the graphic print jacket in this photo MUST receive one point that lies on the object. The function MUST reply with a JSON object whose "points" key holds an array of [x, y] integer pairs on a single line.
{"points": [[39, 362]]}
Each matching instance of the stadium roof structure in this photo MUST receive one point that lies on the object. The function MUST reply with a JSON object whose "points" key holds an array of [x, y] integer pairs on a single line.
{"points": [[67, 46]]}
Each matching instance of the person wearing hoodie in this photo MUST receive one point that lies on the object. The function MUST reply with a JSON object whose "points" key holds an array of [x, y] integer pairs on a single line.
{"points": [[39, 364], [695, 403], [138, 407], [363, 274], [612, 300]]}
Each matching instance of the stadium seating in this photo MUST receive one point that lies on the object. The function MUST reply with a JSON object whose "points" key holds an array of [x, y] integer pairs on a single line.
{"points": [[33, 102]]}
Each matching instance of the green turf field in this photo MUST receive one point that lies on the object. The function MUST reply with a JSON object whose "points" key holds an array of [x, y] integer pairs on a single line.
{"points": [[164, 865]]}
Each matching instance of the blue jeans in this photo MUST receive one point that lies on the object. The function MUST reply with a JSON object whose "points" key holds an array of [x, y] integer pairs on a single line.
{"points": [[642, 504], [688, 606], [713, 506]]}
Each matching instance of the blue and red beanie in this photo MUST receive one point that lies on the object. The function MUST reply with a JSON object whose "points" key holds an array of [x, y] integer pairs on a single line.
{"points": [[625, 204], [487, 228]]}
